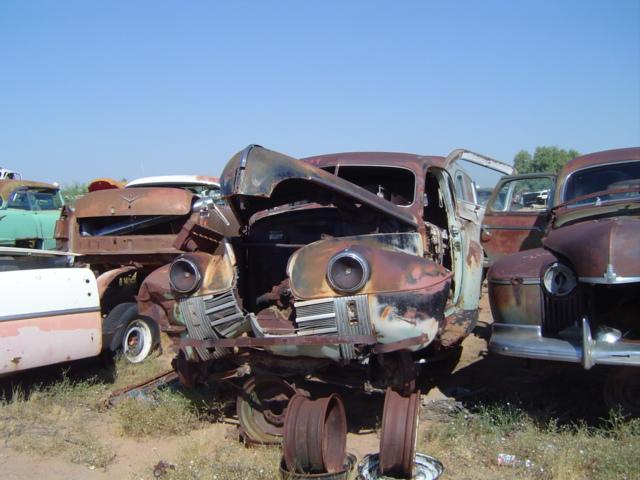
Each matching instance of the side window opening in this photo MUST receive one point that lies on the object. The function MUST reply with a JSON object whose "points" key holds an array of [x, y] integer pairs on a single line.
{"points": [[523, 195]]}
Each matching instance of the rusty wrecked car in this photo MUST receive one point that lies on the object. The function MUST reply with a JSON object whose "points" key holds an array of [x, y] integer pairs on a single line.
{"points": [[368, 260], [577, 297], [123, 234]]}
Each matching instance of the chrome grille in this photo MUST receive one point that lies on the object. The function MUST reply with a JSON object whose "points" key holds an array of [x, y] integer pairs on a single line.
{"points": [[316, 317], [344, 316], [211, 317]]}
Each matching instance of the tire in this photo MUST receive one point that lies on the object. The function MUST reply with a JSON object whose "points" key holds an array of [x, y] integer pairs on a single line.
{"points": [[126, 332]]}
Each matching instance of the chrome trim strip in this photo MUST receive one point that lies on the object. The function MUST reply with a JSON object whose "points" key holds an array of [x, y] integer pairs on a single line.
{"points": [[500, 227], [49, 313], [609, 281], [525, 281], [526, 341], [245, 154]]}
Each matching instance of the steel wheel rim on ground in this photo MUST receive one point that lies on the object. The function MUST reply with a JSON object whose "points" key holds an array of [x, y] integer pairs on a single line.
{"points": [[399, 434], [315, 434], [347, 466]]}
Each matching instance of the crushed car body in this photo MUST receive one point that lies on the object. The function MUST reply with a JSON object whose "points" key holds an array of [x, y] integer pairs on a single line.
{"points": [[576, 298], [125, 233], [353, 259]]}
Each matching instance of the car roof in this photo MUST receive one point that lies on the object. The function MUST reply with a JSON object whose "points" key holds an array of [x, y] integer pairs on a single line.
{"points": [[591, 160], [8, 186], [417, 163], [597, 158], [175, 180]]}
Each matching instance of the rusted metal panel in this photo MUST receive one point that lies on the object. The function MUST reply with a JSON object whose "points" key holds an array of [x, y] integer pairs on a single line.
{"points": [[256, 179], [596, 247], [457, 326], [409, 314], [135, 201], [156, 300], [106, 278], [506, 234], [391, 271]]}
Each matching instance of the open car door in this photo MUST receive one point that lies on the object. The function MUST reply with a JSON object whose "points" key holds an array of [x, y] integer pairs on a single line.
{"points": [[517, 214], [468, 274]]}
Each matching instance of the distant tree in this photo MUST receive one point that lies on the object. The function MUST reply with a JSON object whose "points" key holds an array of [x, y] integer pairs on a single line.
{"points": [[544, 159], [72, 192]]}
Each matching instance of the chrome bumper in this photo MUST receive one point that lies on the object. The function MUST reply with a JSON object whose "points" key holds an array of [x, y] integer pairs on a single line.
{"points": [[527, 341]]}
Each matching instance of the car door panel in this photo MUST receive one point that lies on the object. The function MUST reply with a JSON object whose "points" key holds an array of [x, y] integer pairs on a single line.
{"points": [[517, 214]]}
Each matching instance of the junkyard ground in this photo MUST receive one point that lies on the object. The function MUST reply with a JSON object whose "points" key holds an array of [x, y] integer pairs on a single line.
{"points": [[53, 424]]}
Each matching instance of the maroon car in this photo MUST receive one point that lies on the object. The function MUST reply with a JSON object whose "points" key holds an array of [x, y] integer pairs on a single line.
{"points": [[577, 298]]}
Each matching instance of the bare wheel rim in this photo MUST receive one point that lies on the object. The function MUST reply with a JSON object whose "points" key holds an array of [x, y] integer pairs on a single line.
{"points": [[137, 341], [261, 408], [399, 433]]}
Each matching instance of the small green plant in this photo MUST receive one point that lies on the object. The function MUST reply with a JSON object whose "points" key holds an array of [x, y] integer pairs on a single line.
{"points": [[165, 412], [229, 462], [469, 446]]}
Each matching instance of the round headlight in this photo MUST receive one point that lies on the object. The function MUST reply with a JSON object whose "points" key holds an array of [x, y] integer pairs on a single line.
{"points": [[559, 279], [348, 272], [184, 276]]}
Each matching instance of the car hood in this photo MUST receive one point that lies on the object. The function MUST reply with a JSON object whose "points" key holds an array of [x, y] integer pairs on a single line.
{"points": [[257, 179], [601, 251]]}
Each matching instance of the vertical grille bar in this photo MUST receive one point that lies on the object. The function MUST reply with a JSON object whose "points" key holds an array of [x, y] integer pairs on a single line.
{"points": [[561, 312]]}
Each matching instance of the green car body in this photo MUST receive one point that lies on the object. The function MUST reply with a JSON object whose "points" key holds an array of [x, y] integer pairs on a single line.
{"points": [[28, 213]]}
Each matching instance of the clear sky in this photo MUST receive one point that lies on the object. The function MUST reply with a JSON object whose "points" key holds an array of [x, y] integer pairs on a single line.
{"points": [[133, 88]]}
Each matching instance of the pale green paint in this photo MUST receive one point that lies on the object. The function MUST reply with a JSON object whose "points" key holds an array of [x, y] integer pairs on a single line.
{"points": [[27, 214]]}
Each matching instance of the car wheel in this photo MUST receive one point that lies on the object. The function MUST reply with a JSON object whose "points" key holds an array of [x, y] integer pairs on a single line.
{"points": [[138, 339]]}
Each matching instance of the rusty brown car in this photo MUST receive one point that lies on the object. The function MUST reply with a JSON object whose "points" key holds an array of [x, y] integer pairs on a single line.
{"points": [[124, 234], [367, 260], [577, 298]]}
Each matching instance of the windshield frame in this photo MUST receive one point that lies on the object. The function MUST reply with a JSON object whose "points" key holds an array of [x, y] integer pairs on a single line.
{"points": [[336, 172], [563, 200]]}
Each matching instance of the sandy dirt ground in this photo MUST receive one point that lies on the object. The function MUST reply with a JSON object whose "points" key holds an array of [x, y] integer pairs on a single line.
{"points": [[476, 378]]}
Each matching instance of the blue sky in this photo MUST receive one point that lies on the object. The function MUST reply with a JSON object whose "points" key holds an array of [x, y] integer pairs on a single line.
{"points": [[133, 88]]}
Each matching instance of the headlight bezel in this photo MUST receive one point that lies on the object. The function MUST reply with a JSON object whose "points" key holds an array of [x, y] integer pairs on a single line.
{"points": [[358, 258], [196, 273], [556, 288]]}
